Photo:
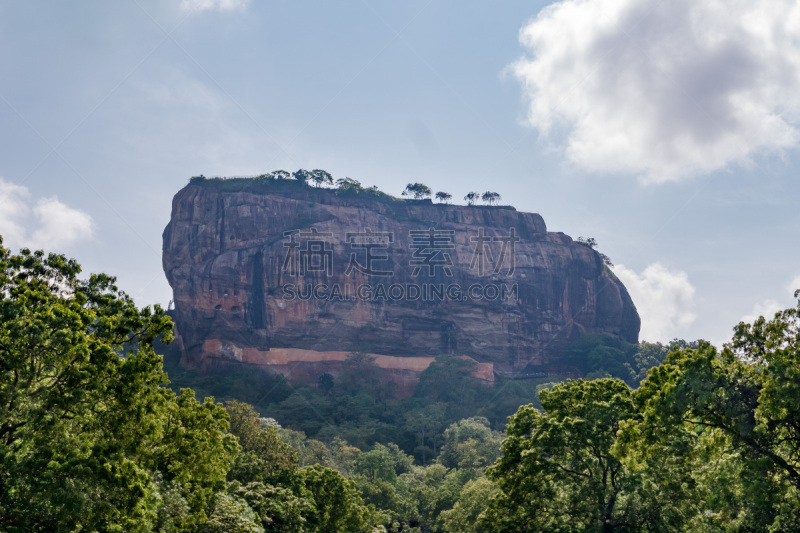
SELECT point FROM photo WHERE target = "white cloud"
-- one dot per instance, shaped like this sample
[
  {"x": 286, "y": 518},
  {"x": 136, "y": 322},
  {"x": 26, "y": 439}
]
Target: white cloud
[
  {"x": 767, "y": 309},
  {"x": 664, "y": 90},
  {"x": 53, "y": 226},
  {"x": 794, "y": 285},
  {"x": 59, "y": 224},
  {"x": 13, "y": 208},
  {"x": 214, "y": 5},
  {"x": 664, "y": 299}
]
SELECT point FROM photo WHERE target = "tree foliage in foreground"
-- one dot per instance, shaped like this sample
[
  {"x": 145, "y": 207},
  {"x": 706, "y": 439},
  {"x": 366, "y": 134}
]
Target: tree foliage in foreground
[
  {"x": 89, "y": 438},
  {"x": 710, "y": 441}
]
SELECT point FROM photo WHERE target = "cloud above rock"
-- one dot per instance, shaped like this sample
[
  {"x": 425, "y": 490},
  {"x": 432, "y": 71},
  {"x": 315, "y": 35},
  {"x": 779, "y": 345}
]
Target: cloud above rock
[
  {"x": 663, "y": 90},
  {"x": 664, "y": 299},
  {"x": 47, "y": 223}
]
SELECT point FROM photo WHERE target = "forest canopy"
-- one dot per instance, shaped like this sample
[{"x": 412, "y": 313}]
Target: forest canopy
[{"x": 93, "y": 438}]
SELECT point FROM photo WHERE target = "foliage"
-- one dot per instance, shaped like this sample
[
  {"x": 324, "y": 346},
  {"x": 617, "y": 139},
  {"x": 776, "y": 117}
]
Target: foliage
[
  {"x": 320, "y": 177},
  {"x": 741, "y": 406},
  {"x": 471, "y": 198},
  {"x": 470, "y": 444},
  {"x": 467, "y": 514},
  {"x": 417, "y": 190},
  {"x": 231, "y": 515},
  {"x": 444, "y": 197},
  {"x": 591, "y": 242},
  {"x": 265, "y": 457},
  {"x": 338, "y": 506},
  {"x": 490, "y": 198},
  {"x": 89, "y": 438},
  {"x": 564, "y": 456}
]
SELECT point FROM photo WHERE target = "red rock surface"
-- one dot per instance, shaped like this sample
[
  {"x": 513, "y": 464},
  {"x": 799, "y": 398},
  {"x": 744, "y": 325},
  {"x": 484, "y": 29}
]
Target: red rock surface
[{"x": 225, "y": 253}]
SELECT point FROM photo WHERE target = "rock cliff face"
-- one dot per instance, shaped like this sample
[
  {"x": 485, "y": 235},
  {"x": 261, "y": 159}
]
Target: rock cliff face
[{"x": 279, "y": 274}]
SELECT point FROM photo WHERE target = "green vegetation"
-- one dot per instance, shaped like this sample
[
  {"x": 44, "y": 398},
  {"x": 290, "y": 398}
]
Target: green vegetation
[
  {"x": 324, "y": 183},
  {"x": 471, "y": 198},
  {"x": 591, "y": 242},
  {"x": 490, "y": 197},
  {"x": 418, "y": 190},
  {"x": 360, "y": 408},
  {"x": 92, "y": 439},
  {"x": 444, "y": 197}
]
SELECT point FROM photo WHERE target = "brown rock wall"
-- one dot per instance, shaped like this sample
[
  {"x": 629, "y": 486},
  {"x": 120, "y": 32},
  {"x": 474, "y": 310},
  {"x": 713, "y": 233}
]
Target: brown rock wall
[{"x": 225, "y": 256}]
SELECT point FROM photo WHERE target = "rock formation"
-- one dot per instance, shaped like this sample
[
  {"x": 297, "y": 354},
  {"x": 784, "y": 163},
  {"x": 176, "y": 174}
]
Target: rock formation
[{"x": 275, "y": 273}]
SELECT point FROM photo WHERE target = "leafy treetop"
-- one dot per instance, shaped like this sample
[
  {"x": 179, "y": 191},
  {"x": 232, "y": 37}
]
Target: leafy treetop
[{"x": 417, "y": 190}]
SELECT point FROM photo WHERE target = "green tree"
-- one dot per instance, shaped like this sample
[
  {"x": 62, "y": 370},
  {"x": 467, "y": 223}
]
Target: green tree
[
  {"x": 417, "y": 190},
  {"x": 490, "y": 198},
  {"x": 278, "y": 509},
  {"x": 231, "y": 515},
  {"x": 558, "y": 472},
  {"x": 427, "y": 423},
  {"x": 742, "y": 404},
  {"x": 470, "y": 444},
  {"x": 338, "y": 507},
  {"x": 466, "y": 514},
  {"x": 471, "y": 198},
  {"x": 444, "y": 197},
  {"x": 89, "y": 438},
  {"x": 383, "y": 462},
  {"x": 265, "y": 457},
  {"x": 432, "y": 490},
  {"x": 349, "y": 185},
  {"x": 320, "y": 177},
  {"x": 325, "y": 383}
]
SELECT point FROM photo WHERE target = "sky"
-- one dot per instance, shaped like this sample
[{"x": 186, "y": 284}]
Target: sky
[{"x": 668, "y": 131}]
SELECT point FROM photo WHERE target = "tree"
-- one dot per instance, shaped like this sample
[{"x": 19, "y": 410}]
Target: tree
[
  {"x": 591, "y": 242},
  {"x": 466, "y": 514},
  {"x": 349, "y": 185},
  {"x": 383, "y": 462},
  {"x": 470, "y": 445},
  {"x": 264, "y": 457},
  {"x": 279, "y": 509},
  {"x": 89, "y": 438},
  {"x": 743, "y": 403},
  {"x": 558, "y": 472},
  {"x": 417, "y": 190},
  {"x": 301, "y": 175},
  {"x": 471, "y": 198},
  {"x": 325, "y": 383},
  {"x": 281, "y": 175},
  {"x": 490, "y": 198},
  {"x": 338, "y": 506},
  {"x": 320, "y": 177},
  {"x": 426, "y": 423},
  {"x": 444, "y": 197},
  {"x": 232, "y": 515}
]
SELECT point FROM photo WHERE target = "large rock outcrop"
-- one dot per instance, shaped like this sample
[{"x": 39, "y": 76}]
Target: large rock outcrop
[{"x": 275, "y": 273}]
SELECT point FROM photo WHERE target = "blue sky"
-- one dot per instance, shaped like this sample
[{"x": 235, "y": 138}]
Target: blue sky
[{"x": 667, "y": 131}]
